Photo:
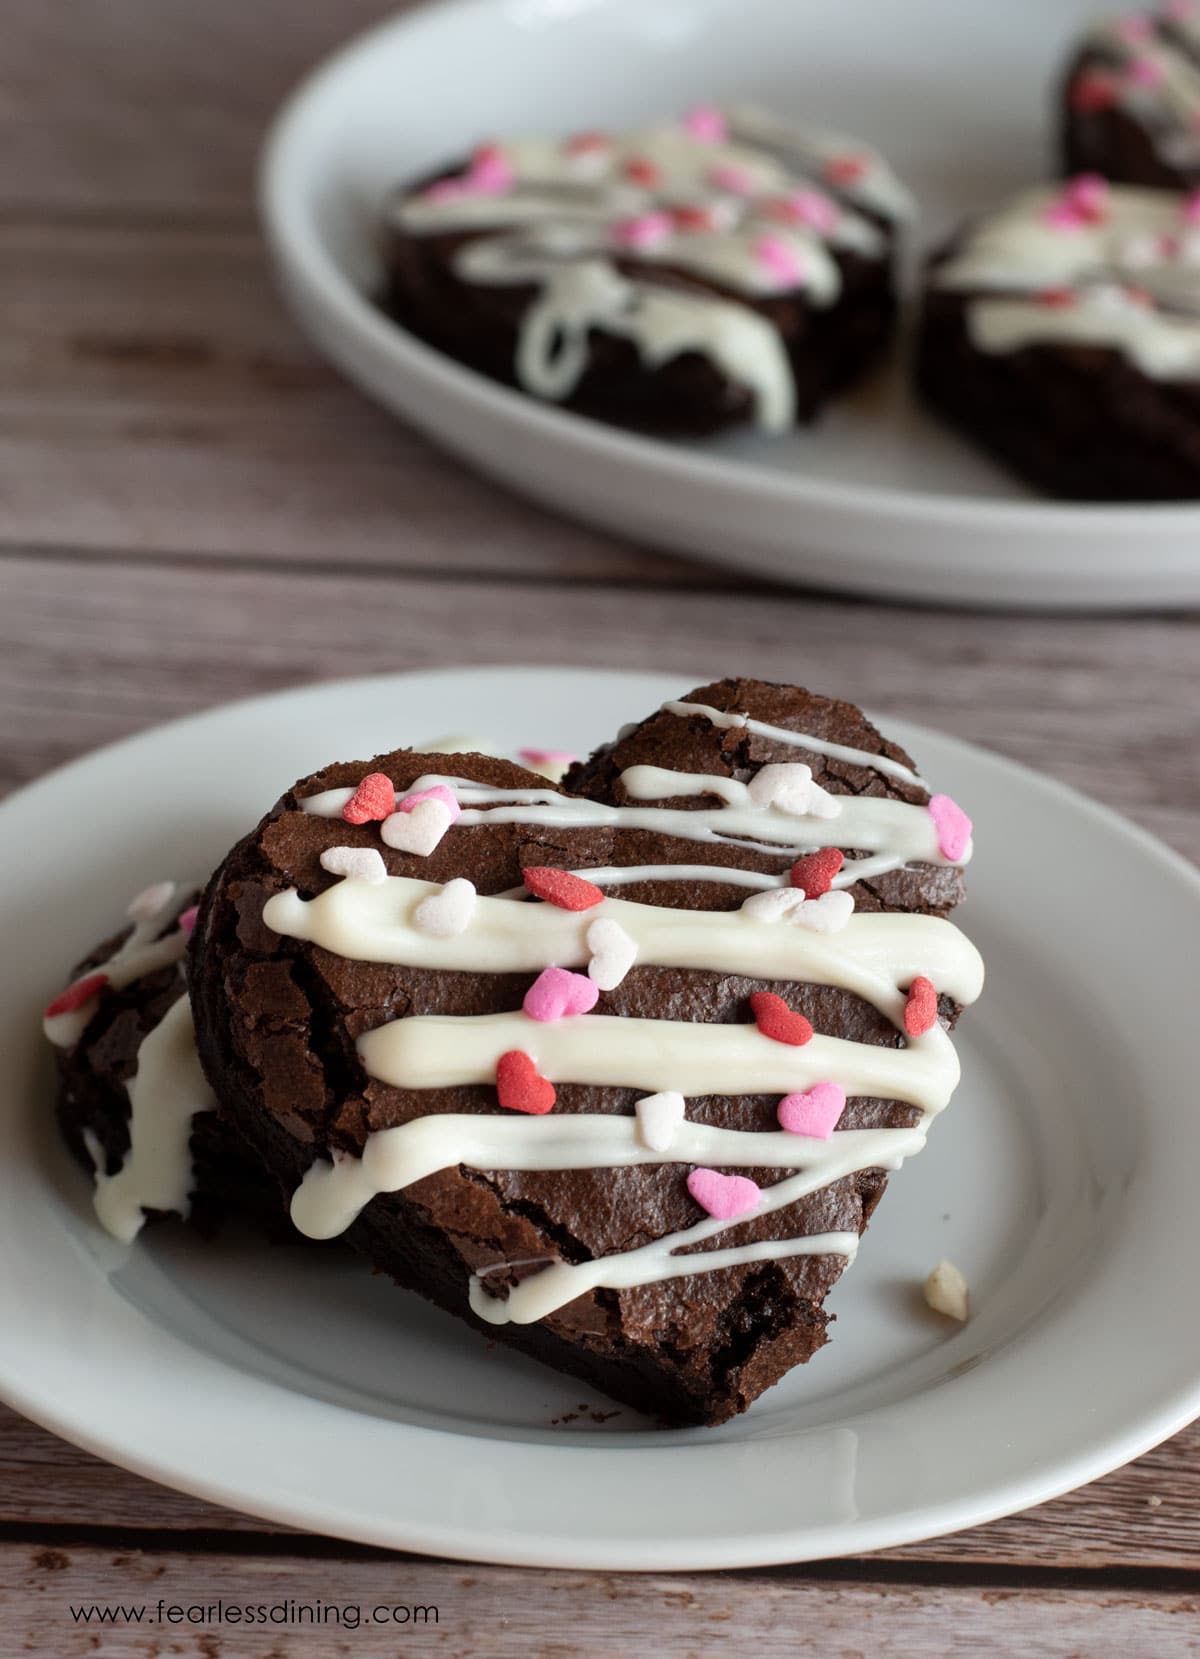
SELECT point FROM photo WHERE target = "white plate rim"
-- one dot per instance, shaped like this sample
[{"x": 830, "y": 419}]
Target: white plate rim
[{"x": 1166, "y": 1416}]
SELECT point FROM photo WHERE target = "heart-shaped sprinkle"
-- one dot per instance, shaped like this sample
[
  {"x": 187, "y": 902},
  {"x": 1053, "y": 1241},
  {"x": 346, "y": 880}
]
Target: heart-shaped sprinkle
[
  {"x": 372, "y": 801},
  {"x": 658, "y": 1117},
  {"x": 641, "y": 170},
  {"x": 815, "y": 871},
  {"x": 778, "y": 258},
  {"x": 952, "y": 824},
  {"x": 738, "y": 181},
  {"x": 920, "y": 1009},
  {"x": 845, "y": 169},
  {"x": 613, "y": 953},
  {"x": 725, "y": 1197},
  {"x": 560, "y": 887},
  {"x": 815, "y": 1112},
  {"x": 557, "y": 993},
  {"x": 706, "y": 123},
  {"x": 444, "y": 914},
  {"x": 440, "y": 792},
  {"x": 789, "y": 786},
  {"x": 519, "y": 1085},
  {"x": 151, "y": 901},
  {"x": 419, "y": 829},
  {"x": 75, "y": 996},
  {"x": 777, "y": 1021},
  {"x": 773, "y": 905},
  {"x": 355, "y": 863},
  {"x": 642, "y": 230},
  {"x": 187, "y": 919},
  {"x": 828, "y": 914}
]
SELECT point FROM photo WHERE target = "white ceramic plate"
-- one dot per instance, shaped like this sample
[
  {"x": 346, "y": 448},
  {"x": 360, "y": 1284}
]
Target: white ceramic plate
[
  {"x": 878, "y": 498},
  {"x": 294, "y": 1384}
]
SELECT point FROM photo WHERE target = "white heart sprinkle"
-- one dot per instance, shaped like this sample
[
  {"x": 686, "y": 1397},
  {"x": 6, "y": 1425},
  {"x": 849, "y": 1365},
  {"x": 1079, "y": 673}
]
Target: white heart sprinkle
[
  {"x": 613, "y": 953},
  {"x": 419, "y": 829},
  {"x": 789, "y": 787},
  {"x": 659, "y": 1116},
  {"x": 828, "y": 914},
  {"x": 357, "y": 863},
  {"x": 151, "y": 901},
  {"x": 773, "y": 904},
  {"x": 449, "y": 912}
]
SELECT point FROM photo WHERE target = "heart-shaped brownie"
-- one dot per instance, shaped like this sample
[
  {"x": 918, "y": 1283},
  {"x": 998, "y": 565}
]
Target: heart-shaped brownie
[{"x": 615, "y": 1068}]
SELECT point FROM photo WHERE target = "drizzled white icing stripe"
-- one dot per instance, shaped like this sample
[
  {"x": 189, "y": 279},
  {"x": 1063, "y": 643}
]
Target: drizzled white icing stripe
[
  {"x": 731, "y": 875},
  {"x": 332, "y": 1194},
  {"x": 729, "y": 721},
  {"x": 871, "y": 956},
  {"x": 866, "y": 822},
  {"x": 442, "y": 1051},
  {"x": 139, "y": 955},
  {"x": 165, "y": 1093}
]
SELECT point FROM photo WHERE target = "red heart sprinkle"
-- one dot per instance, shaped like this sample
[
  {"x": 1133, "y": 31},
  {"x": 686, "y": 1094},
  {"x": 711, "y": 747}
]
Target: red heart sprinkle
[
  {"x": 845, "y": 169},
  {"x": 76, "y": 995},
  {"x": 641, "y": 171},
  {"x": 581, "y": 142},
  {"x": 692, "y": 218},
  {"x": 1057, "y": 298},
  {"x": 777, "y": 1021},
  {"x": 815, "y": 871},
  {"x": 560, "y": 887},
  {"x": 920, "y": 1011},
  {"x": 520, "y": 1087},
  {"x": 373, "y": 799},
  {"x": 1093, "y": 90}
]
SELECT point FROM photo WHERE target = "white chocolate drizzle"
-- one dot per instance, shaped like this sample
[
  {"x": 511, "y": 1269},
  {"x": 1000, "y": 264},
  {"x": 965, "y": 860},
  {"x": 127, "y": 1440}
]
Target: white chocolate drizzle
[
  {"x": 1127, "y": 277},
  {"x": 740, "y": 199},
  {"x": 140, "y": 954},
  {"x": 875, "y": 956},
  {"x": 165, "y": 1094}
]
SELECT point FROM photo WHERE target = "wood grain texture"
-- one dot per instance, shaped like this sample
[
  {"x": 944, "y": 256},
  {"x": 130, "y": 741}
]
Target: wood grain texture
[
  {"x": 87, "y": 655},
  {"x": 155, "y": 398},
  {"x": 151, "y": 107},
  {"x": 545, "y": 1615}
]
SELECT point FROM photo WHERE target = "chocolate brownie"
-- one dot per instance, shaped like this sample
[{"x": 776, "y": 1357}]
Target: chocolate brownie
[
  {"x": 548, "y": 1058},
  {"x": 1131, "y": 99},
  {"x": 1062, "y": 334},
  {"x": 727, "y": 268},
  {"x": 130, "y": 989}
]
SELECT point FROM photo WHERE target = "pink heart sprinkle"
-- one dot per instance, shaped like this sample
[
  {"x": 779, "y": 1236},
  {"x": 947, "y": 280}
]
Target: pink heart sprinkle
[
  {"x": 546, "y": 757},
  {"x": 953, "y": 826},
  {"x": 1146, "y": 72},
  {"x": 645, "y": 230},
  {"x": 1191, "y": 208},
  {"x": 187, "y": 919},
  {"x": 1134, "y": 28},
  {"x": 725, "y": 1197},
  {"x": 557, "y": 993},
  {"x": 739, "y": 181},
  {"x": 490, "y": 172},
  {"x": 1087, "y": 191},
  {"x": 1063, "y": 215},
  {"x": 706, "y": 123},
  {"x": 440, "y": 792},
  {"x": 782, "y": 260},
  {"x": 807, "y": 207},
  {"x": 815, "y": 1112}
]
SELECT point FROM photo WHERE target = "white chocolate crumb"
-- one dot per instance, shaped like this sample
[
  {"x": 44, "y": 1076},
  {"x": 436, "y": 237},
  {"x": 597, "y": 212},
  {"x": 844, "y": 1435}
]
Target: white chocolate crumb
[{"x": 946, "y": 1291}]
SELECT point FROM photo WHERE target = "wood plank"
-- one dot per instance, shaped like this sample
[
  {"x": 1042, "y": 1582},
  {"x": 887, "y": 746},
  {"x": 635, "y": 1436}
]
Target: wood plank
[
  {"x": 1146, "y": 1516},
  {"x": 129, "y": 108},
  {"x": 470, "y": 1610},
  {"x": 91, "y": 652},
  {"x": 198, "y": 422}
]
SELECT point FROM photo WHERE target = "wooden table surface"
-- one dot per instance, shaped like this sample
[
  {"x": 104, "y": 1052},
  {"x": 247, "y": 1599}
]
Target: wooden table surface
[{"x": 193, "y": 508}]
